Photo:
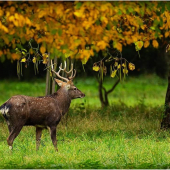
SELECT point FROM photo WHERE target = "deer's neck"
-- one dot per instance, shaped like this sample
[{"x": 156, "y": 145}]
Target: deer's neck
[{"x": 63, "y": 100}]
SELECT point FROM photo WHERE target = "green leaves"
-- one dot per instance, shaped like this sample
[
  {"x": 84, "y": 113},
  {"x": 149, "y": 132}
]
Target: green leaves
[
  {"x": 78, "y": 5},
  {"x": 59, "y": 32},
  {"x": 138, "y": 45}
]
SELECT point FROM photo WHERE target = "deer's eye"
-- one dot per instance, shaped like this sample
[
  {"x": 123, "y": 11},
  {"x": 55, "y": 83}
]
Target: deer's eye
[{"x": 75, "y": 88}]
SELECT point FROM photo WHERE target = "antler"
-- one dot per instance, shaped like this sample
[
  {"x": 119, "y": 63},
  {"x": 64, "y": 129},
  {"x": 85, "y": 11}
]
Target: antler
[
  {"x": 64, "y": 69},
  {"x": 58, "y": 73}
]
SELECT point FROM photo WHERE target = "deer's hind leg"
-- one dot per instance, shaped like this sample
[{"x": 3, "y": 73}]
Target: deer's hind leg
[
  {"x": 38, "y": 136},
  {"x": 13, "y": 134}
]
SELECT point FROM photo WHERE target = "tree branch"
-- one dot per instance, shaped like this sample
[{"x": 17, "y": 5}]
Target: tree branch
[{"x": 114, "y": 86}]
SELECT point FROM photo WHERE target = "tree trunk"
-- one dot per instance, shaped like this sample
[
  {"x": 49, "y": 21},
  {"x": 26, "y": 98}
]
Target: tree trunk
[
  {"x": 103, "y": 93},
  {"x": 53, "y": 81},
  {"x": 165, "y": 124},
  {"x": 48, "y": 80}
]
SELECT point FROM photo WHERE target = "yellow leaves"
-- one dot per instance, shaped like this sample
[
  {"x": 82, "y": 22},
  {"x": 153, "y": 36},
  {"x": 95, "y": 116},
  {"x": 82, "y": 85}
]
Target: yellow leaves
[
  {"x": 166, "y": 34},
  {"x": 96, "y": 68},
  {"x": 42, "y": 13},
  {"x": 28, "y": 21},
  {"x": 23, "y": 60},
  {"x": 131, "y": 66},
  {"x": 4, "y": 28},
  {"x": 1, "y": 12},
  {"x": 16, "y": 16},
  {"x": 31, "y": 51},
  {"x": 138, "y": 45},
  {"x": 79, "y": 13},
  {"x": 155, "y": 43},
  {"x": 125, "y": 71},
  {"x": 84, "y": 55},
  {"x": 104, "y": 7},
  {"x": 88, "y": 23},
  {"x": 59, "y": 8},
  {"x": 12, "y": 9},
  {"x": 118, "y": 46},
  {"x": 102, "y": 45},
  {"x": 104, "y": 19},
  {"x": 113, "y": 74},
  {"x": 6, "y": 40},
  {"x": 134, "y": 38},
  {"x": 146, "y": 44},
  {"x": 15, "y": 56},
  {"x": 34, "y": 60},
  {"x": 99, "y": 30},
  {"x": 45, "y": 58},
  {"x": 42, "y": 49},
  {"x": 116, "y": 64},
  {"x": 11, "y": 18}
]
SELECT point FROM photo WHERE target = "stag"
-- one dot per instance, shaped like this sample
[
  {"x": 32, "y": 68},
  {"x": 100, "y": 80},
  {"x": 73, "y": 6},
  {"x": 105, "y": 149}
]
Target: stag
[{"x": 41, "y": 112}]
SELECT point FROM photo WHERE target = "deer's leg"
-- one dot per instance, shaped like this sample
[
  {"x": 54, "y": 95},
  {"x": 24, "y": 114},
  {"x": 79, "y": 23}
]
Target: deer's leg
[
  {"x": 53, "y": 136},
  {"x": 13, "y": 134},
  {"x": 38, "y": 137}
]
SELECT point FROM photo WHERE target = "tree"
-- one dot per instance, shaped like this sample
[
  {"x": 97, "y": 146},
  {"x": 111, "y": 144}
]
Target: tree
[{"x": 79, "y": 30}]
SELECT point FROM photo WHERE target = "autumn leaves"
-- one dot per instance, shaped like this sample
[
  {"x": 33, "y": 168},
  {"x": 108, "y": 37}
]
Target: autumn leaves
[
  {"x": 81, "y": 29},
  {"x": 117, "y": 66}
]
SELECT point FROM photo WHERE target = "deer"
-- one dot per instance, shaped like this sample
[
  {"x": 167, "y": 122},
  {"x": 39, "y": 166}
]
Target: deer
[{"x": 41, "y": 112}]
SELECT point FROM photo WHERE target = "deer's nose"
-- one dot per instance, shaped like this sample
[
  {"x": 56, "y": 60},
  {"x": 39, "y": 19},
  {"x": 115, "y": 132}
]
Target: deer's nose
[{"x": 83, "y": 95}]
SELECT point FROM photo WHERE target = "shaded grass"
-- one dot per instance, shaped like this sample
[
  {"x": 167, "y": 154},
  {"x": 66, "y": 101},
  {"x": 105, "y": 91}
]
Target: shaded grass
[{"x": 125, "y": 135}]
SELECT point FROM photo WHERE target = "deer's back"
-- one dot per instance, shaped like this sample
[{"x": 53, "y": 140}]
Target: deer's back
[{"x": 32, "y": 110}]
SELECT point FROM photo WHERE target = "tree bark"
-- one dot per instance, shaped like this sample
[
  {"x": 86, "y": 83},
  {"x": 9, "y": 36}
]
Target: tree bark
[
  {"x": 53, "y": 81},
  {"x": 48, "y": 80},
  {"x": 165, "y": 124},
  {"x": 103, "y": 93}
]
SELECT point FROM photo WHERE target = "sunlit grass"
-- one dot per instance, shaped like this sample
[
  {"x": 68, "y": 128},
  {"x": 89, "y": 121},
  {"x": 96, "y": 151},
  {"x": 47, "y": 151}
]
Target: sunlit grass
[{"x": 149, "y": 89}]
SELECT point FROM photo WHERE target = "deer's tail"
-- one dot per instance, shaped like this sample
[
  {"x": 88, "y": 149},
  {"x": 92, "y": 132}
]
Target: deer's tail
[{"x": 4, "y": 109}]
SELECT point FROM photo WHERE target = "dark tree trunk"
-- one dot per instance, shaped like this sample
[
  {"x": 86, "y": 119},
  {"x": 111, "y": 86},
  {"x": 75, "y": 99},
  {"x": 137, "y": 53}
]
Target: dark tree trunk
[
  {"x": 165, "y": 124},
  {"x": 166, "y": 118},
  {"x": 103, "y": 93}
]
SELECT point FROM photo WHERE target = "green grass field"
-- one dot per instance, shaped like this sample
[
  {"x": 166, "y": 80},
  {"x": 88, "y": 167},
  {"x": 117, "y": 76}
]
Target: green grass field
[{"x": 125, "y": 135}]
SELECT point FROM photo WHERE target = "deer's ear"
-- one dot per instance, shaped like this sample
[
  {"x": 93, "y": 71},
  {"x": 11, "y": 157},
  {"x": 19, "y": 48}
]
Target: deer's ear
[{"x": 59, "y": 82}]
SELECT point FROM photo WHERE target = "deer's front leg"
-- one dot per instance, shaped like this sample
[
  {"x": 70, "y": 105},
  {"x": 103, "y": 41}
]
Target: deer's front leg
[
  {"x": 38, "y": 137},
  {"x": 53, "y": 136}
]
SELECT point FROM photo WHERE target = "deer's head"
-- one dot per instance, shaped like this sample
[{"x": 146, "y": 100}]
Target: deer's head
[{"x": 67, "y": 85}]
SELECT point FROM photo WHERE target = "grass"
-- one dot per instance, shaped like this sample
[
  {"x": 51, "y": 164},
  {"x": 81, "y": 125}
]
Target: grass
[
  {"x": 149, "y": 89},
  {"x": 125, "y": 135}
]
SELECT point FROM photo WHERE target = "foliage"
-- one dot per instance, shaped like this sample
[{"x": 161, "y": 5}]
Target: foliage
[
  {"x": 79, "y": 29},
  {"x": 117, "y": 64}
]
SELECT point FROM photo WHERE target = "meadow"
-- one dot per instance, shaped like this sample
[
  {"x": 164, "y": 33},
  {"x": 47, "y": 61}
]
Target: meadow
[{"x": 127, "y": 134}]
